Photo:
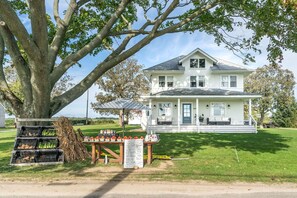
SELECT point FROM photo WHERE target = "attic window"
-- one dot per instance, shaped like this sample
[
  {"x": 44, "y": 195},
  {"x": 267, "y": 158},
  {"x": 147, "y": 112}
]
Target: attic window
[
  {"x": 201, "y": 63},
  {"x": 193, "y": 63}
]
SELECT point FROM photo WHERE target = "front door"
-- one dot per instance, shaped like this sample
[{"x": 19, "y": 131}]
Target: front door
[{"x": 187, "y": 113}]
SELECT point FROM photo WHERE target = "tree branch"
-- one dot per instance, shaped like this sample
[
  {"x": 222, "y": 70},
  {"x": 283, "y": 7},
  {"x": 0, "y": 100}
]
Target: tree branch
[
  {"x": 17, "y": 28},
  {"x": 6, "y": 96},
  {"x": 19, "y": 62},
  {"x": 39, "y": 26},
  {"x": 62, "y": 26},
  {"x": 73, "y": 58}
]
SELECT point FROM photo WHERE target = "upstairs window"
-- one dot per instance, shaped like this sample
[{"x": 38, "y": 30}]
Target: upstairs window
[
  {"x": 169, "y": 81},
  {"x": 233, "y": 81},
  {"x": 202, "y": 63},
  {"x": 201, "y": 82},
  {"x": 161, "y": 81},
  {"x": 225, "y": 81},
  {"x": 193, "y": 63},
  {"x": 193, "y": 81}
]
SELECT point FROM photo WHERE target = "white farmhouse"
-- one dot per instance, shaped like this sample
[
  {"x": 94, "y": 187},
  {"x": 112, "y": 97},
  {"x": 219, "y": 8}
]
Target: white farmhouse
[
  {"x": 197, "y": 93},
  {"x": 2, "y": 116}
]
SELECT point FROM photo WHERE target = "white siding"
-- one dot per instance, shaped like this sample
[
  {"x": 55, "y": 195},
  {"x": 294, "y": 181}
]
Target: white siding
[
  {"x": 2, "y": 116},
  {"x": 182, "y": 80}
]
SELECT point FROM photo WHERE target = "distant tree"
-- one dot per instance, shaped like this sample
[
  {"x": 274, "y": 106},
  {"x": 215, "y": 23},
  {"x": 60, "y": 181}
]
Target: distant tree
[
  {"x": 275, "y": 84},
  {"x": 286, "y": 115},
  {"x": 125, "y": 80}
]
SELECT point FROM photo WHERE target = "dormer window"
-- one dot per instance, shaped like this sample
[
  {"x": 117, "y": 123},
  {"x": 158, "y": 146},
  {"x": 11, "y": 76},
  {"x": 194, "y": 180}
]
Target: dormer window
[
  {"x": 197, "y": 63},
  {"x": 202, "y": 63},
  {"x": 193, "y": 63}
]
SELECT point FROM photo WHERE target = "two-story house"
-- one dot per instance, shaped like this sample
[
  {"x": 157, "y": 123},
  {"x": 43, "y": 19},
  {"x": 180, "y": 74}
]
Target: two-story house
[{"x": 198, "y": 93}]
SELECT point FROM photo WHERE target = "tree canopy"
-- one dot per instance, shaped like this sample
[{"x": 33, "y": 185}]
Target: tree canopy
[
  {"x": 276, "y": 85},
  {"x": 42, "y": 44},
  {"x": 126, "y": 80}
]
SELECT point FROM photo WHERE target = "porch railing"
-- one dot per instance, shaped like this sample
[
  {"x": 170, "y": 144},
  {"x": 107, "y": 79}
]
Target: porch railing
[{"x": 253, "y": 122}]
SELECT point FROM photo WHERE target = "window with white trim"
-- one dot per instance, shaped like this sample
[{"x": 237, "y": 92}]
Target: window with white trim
[
  {"x": 218, "y": 109},
  {"x": 202, "y": 63},
  {"x": 193, "y": 63},
  {"x": 165, "y": 109},
  {"x": 224, "y": 81},
  {"x": 169, "y": 81},
  {"x": 161, "y": 81},
  {"x": 201, "y": 81},
  {"x": 193, "y": 81},
  {"x": 233, "y": 81}
]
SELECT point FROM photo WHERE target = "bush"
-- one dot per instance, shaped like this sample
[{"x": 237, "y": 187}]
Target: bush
[{"x": 102, "y": 121}]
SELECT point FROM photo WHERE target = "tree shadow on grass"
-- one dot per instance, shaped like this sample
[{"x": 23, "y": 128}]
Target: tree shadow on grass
[{"x": 188, "y": 143}]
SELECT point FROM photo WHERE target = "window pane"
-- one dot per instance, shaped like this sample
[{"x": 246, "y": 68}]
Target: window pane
[
  {"x": 225, "y": 81},
  {"x": 218, "y": 109},
  {"x": 169, "y": 81},
  {"x": 201, "y": 63},
  {"x": 201, "y": 81},
  {"x": 161, "y": 81},
  {"x": 193, "y": 81},
  {"x": 233, "y": 81},
  {"x": 164, "y": 109},
  {"x": 193, "y": 63}
]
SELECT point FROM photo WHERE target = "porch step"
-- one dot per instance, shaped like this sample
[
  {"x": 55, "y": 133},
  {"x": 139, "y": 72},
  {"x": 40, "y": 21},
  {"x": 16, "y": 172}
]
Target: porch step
[{"x": 204, "y": 129}]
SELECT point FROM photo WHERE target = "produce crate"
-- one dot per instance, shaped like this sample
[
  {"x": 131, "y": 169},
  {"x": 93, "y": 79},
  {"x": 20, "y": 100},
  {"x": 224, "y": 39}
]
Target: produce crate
[
  {"x": 29, "y": 131},
  {"x": 50, "y": 156},
  {"x": 23, "y": 157},
  {"x": 48, "y": 143},
  {"x": 25, "y": 144},
  {"x": 48, "y": 132}
]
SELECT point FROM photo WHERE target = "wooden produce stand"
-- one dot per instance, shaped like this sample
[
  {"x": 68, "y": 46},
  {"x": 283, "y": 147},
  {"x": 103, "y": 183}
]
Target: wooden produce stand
[{"x": 98, "y": 146}]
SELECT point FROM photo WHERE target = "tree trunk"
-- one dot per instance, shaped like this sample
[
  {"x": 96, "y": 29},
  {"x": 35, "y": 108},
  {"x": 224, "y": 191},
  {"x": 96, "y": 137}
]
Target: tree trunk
[
  {"x": 121, "y": 118},
  {"x": 262, "y": 115}
]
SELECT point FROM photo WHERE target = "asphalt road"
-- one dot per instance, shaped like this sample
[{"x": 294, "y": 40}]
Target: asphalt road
[{"x": 128, "y": 189}]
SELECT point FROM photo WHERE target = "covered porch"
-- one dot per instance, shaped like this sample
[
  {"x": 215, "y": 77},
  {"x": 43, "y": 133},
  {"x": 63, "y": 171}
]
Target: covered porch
[{"x": 200, "y": 113}]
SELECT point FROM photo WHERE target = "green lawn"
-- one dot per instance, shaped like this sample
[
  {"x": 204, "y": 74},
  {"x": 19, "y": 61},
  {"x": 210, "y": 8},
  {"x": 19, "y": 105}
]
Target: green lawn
[{"x": 269, "y": 156}]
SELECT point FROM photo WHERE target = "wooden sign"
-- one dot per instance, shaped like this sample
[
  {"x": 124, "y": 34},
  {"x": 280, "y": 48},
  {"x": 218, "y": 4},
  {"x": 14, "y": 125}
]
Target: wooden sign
[{"x": 133, "y": 155}]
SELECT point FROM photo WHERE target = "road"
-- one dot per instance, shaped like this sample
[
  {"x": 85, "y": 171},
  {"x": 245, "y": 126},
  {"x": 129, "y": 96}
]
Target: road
[{"x": 133, "y": 189}]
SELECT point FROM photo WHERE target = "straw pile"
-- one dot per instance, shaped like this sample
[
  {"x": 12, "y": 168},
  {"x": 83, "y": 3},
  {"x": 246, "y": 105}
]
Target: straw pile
[{"x": 70, "y": 141}]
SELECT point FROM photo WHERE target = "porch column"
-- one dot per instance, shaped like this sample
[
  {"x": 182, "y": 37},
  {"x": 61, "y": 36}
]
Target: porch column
[
  {"x": 178, "y": 114},
  {"x": 150, "y": 112},
  {"x": 197, "y": 111},
  {"x": 250, "y": 112}
]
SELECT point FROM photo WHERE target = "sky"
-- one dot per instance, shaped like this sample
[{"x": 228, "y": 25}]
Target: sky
[
  {"x": 160, "y": 50},
  {"x": 168, "y": 47}
]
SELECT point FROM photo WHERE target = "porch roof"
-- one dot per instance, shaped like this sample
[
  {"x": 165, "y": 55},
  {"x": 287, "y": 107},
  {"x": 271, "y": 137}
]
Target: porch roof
[{"x": 202, "y": 93}]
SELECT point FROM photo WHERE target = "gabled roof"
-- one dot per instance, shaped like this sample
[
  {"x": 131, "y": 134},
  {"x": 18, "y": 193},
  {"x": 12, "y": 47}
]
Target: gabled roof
[
  {"x": 200, "y": 51},
  {"x": 172, "y": 64},
  {"x": 202, "y": 92}
]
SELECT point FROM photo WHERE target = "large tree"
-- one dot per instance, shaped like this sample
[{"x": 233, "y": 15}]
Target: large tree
[
  {"x": 275, "y": 84},
  {"x": 43, "y": 46},
  {"x": 126, "y": 80}
]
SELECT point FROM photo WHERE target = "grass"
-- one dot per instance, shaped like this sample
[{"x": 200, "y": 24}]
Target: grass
[{"x": 269, "y": 156}]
